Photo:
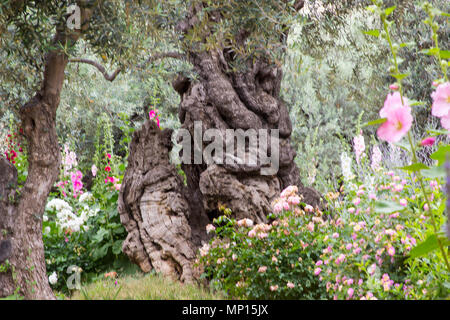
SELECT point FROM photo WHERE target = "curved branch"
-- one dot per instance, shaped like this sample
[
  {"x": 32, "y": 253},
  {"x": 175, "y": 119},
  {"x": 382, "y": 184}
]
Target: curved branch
[
  {"x": 163, "y": 55},
  {"x": 109, "y": 77}
]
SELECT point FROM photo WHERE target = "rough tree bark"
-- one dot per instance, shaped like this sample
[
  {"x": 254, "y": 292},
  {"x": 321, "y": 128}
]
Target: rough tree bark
[
  {"x": 23, "y": 224},
  {"x": 220, "y": 100},
  {"x": 153, "y": 207}
]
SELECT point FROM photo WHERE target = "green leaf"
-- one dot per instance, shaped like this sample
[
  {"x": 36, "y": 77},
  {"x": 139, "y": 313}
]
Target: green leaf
[
  {"x": 387, "y": 207},
  {"x": 400, "y": 76},
  {"x": 373, "y": 33},
  {"x": 415, "y": 103},
  {"x": 444, "y": 54},
  {"x": 414, "y": 167},
  {"x": 117, "y": 247},
  {"x": 434, "y": 172},
  {"x": 100, "y": 235},
  {"x": 430, "y": 244},
  {"x": 435, "y": 133},
  {"x": 99, "y": 253},
  {"x": 375, "y": 122},
  {"x": 430, "y": 52},
  {"x": 389, "y": 10},
  {"x": 441, "y": 154}
]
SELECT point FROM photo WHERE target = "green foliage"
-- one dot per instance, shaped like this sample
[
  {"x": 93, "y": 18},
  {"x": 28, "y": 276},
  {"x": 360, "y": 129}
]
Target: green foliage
[{"x": 93, "y": 243}]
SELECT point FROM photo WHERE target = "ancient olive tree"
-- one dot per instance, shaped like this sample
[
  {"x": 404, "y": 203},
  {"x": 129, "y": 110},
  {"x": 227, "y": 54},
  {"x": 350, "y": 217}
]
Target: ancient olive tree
[{"x": 236, "y": 49}]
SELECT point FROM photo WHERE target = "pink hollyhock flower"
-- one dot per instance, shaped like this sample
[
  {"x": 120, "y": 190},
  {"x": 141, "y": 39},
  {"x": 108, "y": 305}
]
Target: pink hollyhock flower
[
  {"x": 399, "y": 118},
  {"x": 118, "y": 186},
  {"x": 403, "y": 202},
  {"x": 309, "y": 208},
  {"x": 441, "y": 100},
  {"x": 108, "y": 155},
  {"x": 351, "y": 210},
  {"x": 152, "y": 114},
  {"x": 285, "y": 206},
  {"x": 356, "y": 201},
  {"x": 394, "y": 87},
  {"x": 290, "y": 285},
  {"x": 107, "y": 168},
  {"x": 428, "y": 141}
]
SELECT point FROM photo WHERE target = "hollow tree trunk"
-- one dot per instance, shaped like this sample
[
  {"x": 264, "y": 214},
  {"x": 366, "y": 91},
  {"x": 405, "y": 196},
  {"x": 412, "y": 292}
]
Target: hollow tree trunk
[
  {"x": 23, "y": 223},
  {"x": 153, "y": 207},
  {"x": 219, "y": 100}
]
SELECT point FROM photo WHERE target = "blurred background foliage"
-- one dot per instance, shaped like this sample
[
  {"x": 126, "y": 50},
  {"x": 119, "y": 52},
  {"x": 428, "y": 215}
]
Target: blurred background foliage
[{"x": 334, "y": 75}]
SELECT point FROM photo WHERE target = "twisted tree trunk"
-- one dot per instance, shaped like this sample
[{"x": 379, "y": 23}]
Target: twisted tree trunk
[
  {"x": 219, "y": 100},
  {"x": 21, "y": 224}
]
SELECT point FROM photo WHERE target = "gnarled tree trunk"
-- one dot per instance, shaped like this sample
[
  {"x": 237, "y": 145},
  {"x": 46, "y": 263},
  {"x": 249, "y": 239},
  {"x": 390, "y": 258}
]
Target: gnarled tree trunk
[
  {"x": 25, "y": 226},
  {"x": 220, "y": 100},
  {"x": 23, "y": 223},
  {"x": 153, "y": 207}
]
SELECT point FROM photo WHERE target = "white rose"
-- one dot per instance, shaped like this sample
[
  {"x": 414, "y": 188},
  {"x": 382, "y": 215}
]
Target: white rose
[{"x": 53, "y": 278}]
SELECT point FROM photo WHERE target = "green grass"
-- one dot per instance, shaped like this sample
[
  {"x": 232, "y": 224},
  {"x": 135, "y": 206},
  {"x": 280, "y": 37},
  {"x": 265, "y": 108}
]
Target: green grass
[{"x": 144, "y": 287}]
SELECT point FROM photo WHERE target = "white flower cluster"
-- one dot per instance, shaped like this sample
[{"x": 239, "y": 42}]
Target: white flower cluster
[
  {"x": 346, "y": 167},
  {"x": 85, "y": 197},
  {"x": 69, "y": 160},
  {"x": 316, "y": 9},
  {"x": 66, "y": 219}
]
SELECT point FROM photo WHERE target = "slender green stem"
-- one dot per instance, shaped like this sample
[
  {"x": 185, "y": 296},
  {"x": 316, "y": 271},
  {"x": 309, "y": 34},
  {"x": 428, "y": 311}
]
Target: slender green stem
[
  {"x": 413, "y": 148},
  {"x": 427, "y": 200}
]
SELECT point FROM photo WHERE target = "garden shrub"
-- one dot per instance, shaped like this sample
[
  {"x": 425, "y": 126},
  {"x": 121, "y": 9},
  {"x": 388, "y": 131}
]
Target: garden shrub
[{"x": 265, "y": 261}]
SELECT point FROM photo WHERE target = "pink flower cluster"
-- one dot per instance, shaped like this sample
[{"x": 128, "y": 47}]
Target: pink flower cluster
[
  {"x": 399, "y": 119},
  {"x": 110, "y": 179},
  {"x": 12, "y": 143},
  {"x": 289, "y": 200},
  {"x": 153, "y": 114},
  {"x": 77, "y": 185}
]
